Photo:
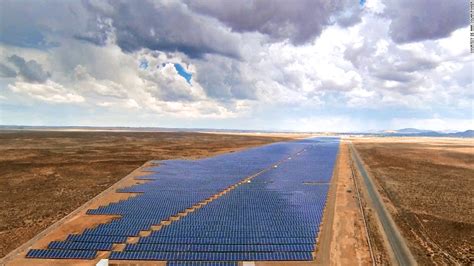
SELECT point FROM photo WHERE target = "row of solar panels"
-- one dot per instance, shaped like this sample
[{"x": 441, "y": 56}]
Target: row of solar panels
[
  {"x": 212, "y": 256},
  {"x": 69, "y": 245},
  {"x": 227, "y": 241},
  {"x": 221, "y": 248},
  {"x": 61, "y": 254},
  {"x": 308, "y": 231},
  {"x": 238, "y": 234},
  {"x": 202, "y": 263},
  {"x": 178, "y": 227},
  {"x": 211, "y": 234}
]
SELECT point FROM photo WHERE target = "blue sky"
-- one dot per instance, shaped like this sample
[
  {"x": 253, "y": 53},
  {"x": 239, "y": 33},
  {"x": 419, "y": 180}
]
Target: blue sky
[
  {"x": 356, "y": 66},
  {"x": 182, "y": 72}
]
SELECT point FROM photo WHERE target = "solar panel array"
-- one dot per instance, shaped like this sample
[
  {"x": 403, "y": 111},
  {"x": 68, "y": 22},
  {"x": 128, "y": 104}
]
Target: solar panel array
[{"x": 274, "y": 216}]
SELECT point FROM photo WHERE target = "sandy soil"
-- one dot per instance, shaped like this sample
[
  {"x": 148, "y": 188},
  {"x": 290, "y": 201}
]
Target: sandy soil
[
  {"x": 428, "y": 185},
  {"x": 74, "y": 223},
  {"x": 345, "y": 241},
  {"x": 349, "y": 244},
  {"x": 46, "y": 175}
]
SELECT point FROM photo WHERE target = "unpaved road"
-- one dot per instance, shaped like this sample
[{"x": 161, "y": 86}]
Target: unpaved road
[
  {"x": 427, "y": 185},
  {"x": 399, "y": 248},
  {"x": 342, "y": 239},
  {"x": 349, "y": 243}
]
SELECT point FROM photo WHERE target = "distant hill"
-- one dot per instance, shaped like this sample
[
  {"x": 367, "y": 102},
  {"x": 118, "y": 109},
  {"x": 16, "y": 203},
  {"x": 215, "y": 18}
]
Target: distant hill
[
  {"x": 407, "y": 132},
  {"x": 427, "y": 133},
  {"x": 464, "y": 134},
  {"x": 412, "y": 131}
]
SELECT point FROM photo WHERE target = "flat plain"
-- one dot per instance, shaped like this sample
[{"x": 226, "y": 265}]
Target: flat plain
[
  {"x": 46, "y": 175},
  {"x": 427, "y": 184}
]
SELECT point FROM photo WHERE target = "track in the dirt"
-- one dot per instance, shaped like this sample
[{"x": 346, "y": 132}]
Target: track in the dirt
[{"x": 396, "y": 242}]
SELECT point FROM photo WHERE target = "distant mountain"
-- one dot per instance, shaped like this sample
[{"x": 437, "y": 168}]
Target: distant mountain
[
  {"x": 414, "y": 132},
  {"x": 464, "y": 134}
]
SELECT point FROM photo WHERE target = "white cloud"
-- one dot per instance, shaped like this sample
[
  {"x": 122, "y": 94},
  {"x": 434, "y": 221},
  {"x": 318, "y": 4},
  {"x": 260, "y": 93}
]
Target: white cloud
[
  {"x": 88, "y": 84},
  {"x": 97, "y": 64},
  {"x": 49, "y": 92}
]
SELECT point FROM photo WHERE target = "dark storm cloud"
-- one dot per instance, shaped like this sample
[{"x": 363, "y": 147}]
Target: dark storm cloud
[
  {"x": 300, "y": 21},
  {"x": 6, "y": 71},
  {"x": 196, "y": 28},
  {"x": 19, "y": 26},
  {"x": 42, "y": 24},
  {"x": 401, "y": 77},
  {"x": 97, "y": 31},
  {"x": 169, "y": 26},
  {"x": 418, "y": 20},
  {"x": 30, "y": 70}
]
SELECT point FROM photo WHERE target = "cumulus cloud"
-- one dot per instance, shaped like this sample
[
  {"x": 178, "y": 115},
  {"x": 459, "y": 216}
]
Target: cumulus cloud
[
  {"x": 6, "y": 71},
  {"x": 99, "y": 87},
  {"x": 251, "y": 58},
  {"x": 164, "y": 82},
  {"x": 49, "y": 92},
  {"x": 30, "y": 70},
  {"x": 418, "y": 20}
]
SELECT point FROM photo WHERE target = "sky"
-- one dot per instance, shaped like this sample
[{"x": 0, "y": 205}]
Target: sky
[{"x": 301, "y": 65}]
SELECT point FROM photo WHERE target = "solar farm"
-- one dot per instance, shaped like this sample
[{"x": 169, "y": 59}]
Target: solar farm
[{"x": 259, "y": 204}]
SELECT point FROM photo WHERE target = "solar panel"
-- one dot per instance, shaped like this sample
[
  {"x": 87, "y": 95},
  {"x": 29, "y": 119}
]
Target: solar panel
[
  {"x": 212, "y": 256},
  {"x": 61, "y": 254},
  {"x": 93, "y": 238},
  {"x": 80, "y": 245},
  {"x": 221, "y": 248},
  {"x": 274, "y": 216},
  {"x": 202, "y": 263}
]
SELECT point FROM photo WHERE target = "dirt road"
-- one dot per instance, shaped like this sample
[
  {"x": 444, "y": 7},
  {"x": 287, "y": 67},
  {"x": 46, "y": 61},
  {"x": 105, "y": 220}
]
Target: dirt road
[
  {"x": 398, "y": 247},
  {"x": 343, "y": 240},
  {"x": 427, "y": 186}
]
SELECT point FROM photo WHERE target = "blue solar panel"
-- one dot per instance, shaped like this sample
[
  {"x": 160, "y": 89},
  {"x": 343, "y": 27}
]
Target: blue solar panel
[
  {"x": 80, "y": 245},
  {"x": 226, "y": 241},
  {"x": 202, "y": 263},
  {"x": 61, "y": 254},
  {"x": 274, "y": 216},
  {"x": 221, "y": 248},
  {"x": 212, "y": 256},
  {"x": 93, "y": 238}
]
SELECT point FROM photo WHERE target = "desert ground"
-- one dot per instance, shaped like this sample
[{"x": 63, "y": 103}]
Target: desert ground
[
  {"x": 427, "y": 185},
  {"x": 46, "y": 175},
  {"x": 342, "y": 239},
  {"x": 347, "y": 240}
]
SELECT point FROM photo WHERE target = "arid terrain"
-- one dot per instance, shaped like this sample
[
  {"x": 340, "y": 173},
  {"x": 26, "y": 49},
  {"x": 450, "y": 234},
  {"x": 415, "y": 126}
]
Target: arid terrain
[
  {"x": 46, "y": 175},
  {"x": 428, "y": 186},
  {"x": 348, "y": 238},
  {"x": 425, "y": 183}
]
